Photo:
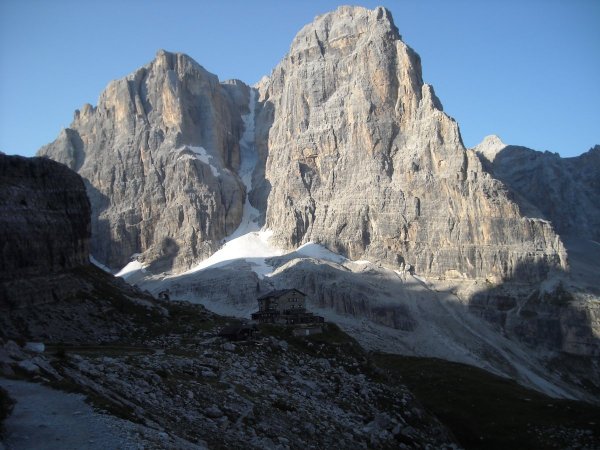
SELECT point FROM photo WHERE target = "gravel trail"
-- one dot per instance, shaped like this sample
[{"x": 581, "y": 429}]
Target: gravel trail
[{"x": 55, "y": 420}]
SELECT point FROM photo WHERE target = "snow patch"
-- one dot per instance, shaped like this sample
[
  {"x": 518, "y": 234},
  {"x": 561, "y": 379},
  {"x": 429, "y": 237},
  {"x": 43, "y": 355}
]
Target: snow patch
[
  {"x": 200, "y": 154},
  {"x": 248, "y": 157},
  {"x": 98, "y": 264},
  {"x": 312, "y": 250},
  {"x": 203, "y": 156},
  {"x": 254, "y": 247},
  {"x": 248, "y": 160},
  {"x": 549, "y": 286},
  {"x": 131, "y": 269}
]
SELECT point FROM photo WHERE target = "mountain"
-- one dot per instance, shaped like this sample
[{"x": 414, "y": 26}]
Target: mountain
[
  {"x": 159, "y": 154},
  {"x": 367, "y": 198},
  {"x": 356, "y": 150},
  {"x": 362, "y": 159}
]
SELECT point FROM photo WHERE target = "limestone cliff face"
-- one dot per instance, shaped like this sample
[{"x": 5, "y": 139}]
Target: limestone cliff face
[
  {"x": 361, "y": 158},
  {"x": 354, "y": 149},
  {"x": 562, "y": 190},
  {"x": 159, "y": 155},
  {"x": 44, "y": 227}
]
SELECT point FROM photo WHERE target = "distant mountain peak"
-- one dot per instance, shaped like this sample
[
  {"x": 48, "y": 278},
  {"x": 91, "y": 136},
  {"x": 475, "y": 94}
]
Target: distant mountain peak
[
  {"x": 346, "y": 21},
  {"x": 490, "y": 146}
]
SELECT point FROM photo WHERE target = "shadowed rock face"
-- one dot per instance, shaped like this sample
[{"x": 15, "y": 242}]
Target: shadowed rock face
[
  {"x": 562, "y": 190},
  {"x": 44, "y": 226},
  {"x": 44, "y": 219},
  {"x": 158, "y": 155},
  {"x": 362, "y": 159}
]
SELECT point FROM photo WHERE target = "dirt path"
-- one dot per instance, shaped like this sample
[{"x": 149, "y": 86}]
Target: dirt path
[{"x": 50, "y": 419}]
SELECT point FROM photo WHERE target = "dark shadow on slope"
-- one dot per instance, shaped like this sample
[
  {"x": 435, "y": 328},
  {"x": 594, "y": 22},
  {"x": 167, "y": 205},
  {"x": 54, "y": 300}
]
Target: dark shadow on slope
[
  {"x": 112, "y": 244},
  {"x": 564, "y": 191},
  {"x": 76, "y": 149},
  {"x": 487, "y": 412},
  {"x": 584, "y": 261},
  {"x": 101, "y": 241},
  {"x": 557, "y": 321},
  {"x": 559, "y": 315},
  {"x": 261, "y": 187},
  {"x": 165, "y": 260}
]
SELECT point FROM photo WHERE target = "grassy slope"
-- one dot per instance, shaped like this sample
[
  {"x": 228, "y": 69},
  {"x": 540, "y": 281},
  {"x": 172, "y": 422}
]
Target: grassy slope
[{"x": 489, "y": 412}]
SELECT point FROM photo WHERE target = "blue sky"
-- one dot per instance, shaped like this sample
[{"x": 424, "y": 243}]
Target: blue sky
[{"x": 527, "y": 70}]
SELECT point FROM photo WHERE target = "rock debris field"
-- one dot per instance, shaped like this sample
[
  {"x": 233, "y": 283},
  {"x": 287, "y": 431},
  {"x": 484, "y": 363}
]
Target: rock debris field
[{"x": 187, "y": 387}]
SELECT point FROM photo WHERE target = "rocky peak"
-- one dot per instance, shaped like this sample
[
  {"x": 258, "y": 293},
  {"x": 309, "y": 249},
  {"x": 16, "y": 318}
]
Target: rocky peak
[
  {"x": 362, "y": 159},
  {"x": 593, "y": 154},
  {"x": 159, "y": 154},
  {"x": 489, "y": 147},
  {"x": 85, "y": 112},
  {"x": 351, "y": 23}
]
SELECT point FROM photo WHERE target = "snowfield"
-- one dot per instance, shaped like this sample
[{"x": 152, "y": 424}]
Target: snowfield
[
  {"x": 131, "y": 269},
  {"x": 252, "y": 247}
]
